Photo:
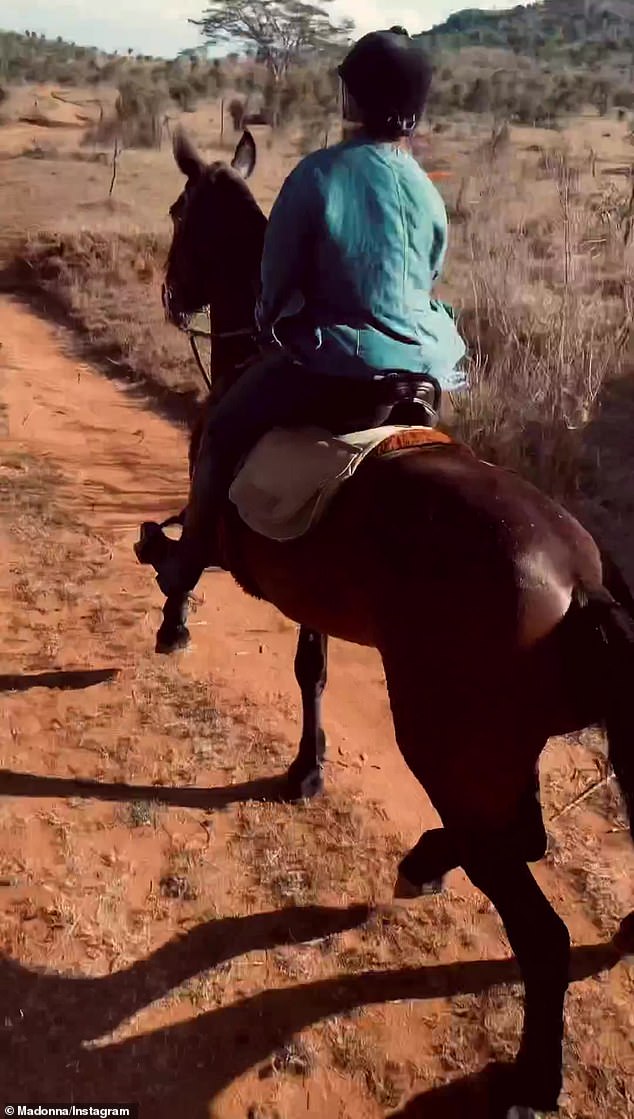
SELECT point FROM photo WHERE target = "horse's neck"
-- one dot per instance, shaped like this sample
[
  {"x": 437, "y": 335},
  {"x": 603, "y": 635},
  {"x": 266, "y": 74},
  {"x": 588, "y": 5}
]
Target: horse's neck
[
  {"x": 234, "y": 328},
  {"x": 228, "y": 355},
  {"x": 234, "y": 312}
]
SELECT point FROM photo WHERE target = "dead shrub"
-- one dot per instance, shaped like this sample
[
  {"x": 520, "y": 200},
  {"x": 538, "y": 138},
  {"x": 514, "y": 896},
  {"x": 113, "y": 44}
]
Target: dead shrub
[{"x": 540, "y": 345}]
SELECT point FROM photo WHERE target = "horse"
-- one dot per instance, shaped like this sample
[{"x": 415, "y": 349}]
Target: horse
[{"x": 499, "y": 621}]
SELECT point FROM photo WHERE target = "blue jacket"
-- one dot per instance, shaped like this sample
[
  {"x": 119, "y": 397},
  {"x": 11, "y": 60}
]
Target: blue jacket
[{"x": 355, "y": 242}]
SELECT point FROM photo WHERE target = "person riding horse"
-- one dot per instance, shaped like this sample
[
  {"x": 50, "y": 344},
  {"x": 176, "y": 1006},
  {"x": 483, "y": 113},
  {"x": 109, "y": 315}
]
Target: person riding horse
[
  {"x": 355, "y": 242},
  {"x": 498, "y": 619}
]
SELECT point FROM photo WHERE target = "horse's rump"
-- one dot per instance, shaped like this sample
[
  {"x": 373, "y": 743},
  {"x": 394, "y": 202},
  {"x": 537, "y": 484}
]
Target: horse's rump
[{"x": 435, "y": 536}]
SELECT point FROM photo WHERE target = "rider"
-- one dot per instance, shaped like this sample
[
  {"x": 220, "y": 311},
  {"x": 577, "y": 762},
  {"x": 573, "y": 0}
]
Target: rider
[{"x": 354, "y": 244}]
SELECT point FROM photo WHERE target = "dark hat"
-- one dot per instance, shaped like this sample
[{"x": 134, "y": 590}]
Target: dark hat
[{"x": 388, "y": 75}]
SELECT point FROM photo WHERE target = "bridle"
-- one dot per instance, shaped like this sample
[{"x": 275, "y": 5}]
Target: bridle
[
  {"x": 194, "y": 333},
  {"x": 193, "y": 336}
]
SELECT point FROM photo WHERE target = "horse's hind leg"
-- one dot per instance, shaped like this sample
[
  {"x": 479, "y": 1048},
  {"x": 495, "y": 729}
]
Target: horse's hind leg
[
  {"x": 306, "y": 774},
  {"x": 528, "y": 833},
  {"x": 476, "y": 759},
  {"x": 541, "y": 945},
  {"x": 423, "y": 869}
]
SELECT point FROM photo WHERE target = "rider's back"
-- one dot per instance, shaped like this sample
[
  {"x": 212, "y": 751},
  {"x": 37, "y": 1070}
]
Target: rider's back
[{"x": 356, "y": 241}]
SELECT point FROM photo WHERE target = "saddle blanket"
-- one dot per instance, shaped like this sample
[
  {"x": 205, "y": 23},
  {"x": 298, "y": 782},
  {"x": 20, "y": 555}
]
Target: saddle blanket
[{"x": 292, "y": 474}]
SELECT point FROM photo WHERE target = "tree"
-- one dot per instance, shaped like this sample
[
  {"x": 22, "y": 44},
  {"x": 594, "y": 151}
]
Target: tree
[
  {"x": 478, "y": 99},
  {"x": 282, "y": 32}
]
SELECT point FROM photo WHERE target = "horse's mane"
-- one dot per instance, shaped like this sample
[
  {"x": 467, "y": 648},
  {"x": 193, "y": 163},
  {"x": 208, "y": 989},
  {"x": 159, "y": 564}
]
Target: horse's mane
[{"x": 240, "y": 188}]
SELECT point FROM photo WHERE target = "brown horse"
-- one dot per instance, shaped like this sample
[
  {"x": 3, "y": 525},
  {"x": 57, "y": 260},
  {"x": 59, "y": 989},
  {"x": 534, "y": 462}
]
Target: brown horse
[{"x": 495, "y": 616}]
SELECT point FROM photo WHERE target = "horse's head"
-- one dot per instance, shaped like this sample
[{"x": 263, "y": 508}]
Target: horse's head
[{"x": 218, "y": 231}]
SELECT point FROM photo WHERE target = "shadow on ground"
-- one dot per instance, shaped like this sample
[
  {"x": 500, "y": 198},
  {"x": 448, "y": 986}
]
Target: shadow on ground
[
  {"x": 49, "y": 1021},
  {"x": 270, "y": 789},
  {"x": 71, "y": 680}
]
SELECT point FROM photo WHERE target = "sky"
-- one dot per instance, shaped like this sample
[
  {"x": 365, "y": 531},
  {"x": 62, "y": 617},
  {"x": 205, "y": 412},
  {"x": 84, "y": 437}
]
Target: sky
[{"x": 160, "y": 27}]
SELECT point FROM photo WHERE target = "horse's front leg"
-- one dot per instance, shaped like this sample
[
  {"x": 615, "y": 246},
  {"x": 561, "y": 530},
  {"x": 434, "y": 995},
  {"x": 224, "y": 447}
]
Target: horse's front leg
[
  {"x": 173, "y": 633},
  {"x": 422, "y": 871},
  {"x": 306, "y": 774},
  {"x": 154, "y": 548}
]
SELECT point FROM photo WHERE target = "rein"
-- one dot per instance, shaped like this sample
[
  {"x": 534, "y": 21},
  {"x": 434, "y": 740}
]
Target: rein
[
  {"x": 193, "y": 333},
  {"x": 193, "y": 336}
]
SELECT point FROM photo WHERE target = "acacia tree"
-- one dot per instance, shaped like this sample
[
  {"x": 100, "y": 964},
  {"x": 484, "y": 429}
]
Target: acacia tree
[{"x": 282, "y": 32}]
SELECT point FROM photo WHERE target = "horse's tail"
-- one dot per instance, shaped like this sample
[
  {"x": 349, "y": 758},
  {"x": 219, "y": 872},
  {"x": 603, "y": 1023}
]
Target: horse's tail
[
  {"x": 614, "y": 624},
  {"x": 614, "y": 581}
]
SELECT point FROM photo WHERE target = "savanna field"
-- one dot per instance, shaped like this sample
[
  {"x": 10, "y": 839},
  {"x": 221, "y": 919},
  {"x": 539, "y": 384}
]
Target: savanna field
[{"x": 165, "y": 937}]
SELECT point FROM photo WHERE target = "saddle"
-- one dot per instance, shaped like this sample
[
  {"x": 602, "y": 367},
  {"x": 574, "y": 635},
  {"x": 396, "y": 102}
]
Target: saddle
[{"x": 289, "y": 478}]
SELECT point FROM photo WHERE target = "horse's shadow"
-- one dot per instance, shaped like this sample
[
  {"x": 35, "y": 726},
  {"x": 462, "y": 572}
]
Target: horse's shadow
[
  {"x": 35, "y": 785},
  {"x": 467, "y": 1096},
  {"x": 64, "y": 680},
  {"x": 51, "y": 1024}
]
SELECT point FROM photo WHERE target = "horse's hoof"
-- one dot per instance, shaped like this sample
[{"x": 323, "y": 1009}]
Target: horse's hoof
[
  {"x": 508, "y": 1082},
  {"x": 304, "y": 788},
  {"x": 172, "y": 640},
  {"x": 624, "y": 939},
  {"x": 406, "y": 890}
]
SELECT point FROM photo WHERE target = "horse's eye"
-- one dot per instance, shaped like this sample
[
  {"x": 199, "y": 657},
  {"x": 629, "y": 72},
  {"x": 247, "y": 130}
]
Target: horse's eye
[{"x": 176, "y": 211}]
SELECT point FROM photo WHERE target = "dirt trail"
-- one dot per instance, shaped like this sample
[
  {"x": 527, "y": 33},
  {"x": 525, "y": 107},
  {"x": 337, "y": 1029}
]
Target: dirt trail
[
  {"x": 94, "y": 883},
  {"x": 122, "y": 465}
]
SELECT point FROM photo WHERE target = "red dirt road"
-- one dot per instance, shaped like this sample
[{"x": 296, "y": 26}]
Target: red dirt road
[{"x": 83, "y": 462}]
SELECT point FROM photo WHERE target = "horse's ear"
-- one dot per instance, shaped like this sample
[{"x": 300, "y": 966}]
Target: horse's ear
[
  {"x": 245, "y": 155},
  {"x": 186, "y": 155}
]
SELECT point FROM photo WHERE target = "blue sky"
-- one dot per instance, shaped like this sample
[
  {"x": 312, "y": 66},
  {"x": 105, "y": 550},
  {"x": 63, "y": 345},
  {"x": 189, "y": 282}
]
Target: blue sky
[{"x": 160, "y": 26}]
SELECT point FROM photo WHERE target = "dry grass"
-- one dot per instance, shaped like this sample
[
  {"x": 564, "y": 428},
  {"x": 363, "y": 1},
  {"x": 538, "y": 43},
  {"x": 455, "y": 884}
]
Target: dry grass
[
  {"x": 541, "y": 270},
  {"x": 546, "y": 302},
  {"x": 104, "y": 285}
]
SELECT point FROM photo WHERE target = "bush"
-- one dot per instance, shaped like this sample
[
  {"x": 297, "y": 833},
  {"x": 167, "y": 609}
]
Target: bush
[
  {"x": 182, "y": 93},
  {"x": 138, "y": 117}
]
